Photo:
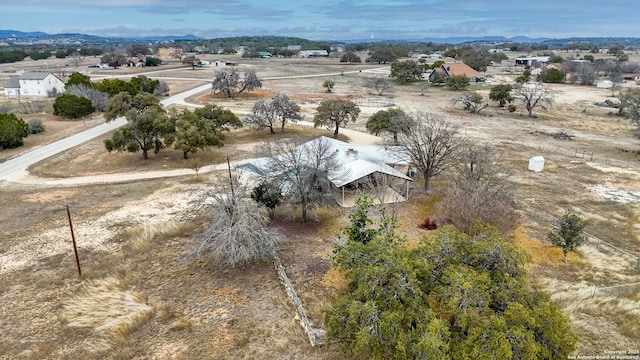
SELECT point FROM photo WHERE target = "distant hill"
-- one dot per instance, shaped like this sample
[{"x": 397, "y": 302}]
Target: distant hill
[
  {"x": 37, "y": 35},
  {"x": 460, "y": 40},
  {"x": 20, "y": 34}
]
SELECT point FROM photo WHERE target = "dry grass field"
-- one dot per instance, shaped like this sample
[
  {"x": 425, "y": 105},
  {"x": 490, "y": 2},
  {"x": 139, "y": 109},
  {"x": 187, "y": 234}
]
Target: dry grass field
[{"x": 142, "y": 297}]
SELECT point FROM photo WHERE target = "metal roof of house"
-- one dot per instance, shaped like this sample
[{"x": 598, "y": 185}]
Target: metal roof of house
[
  {"x": 356, "y": 161},
  {"x": 32, "y": 75},
  {"x": 13, "y": 83}
]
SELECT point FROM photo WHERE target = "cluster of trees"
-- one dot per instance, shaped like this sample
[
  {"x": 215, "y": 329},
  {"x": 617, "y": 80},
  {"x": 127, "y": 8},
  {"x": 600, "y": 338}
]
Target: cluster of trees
[
  {"x": 19, "y": 55},
  {"x": 530, "y": 96},
  {"x": 150, "y": 127},
  {"x": 82, "y": 96},
  {"x": 454, "y": 296}
]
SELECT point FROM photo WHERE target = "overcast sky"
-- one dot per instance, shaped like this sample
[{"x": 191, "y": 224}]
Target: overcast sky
[{"x": 325, "y": 19}]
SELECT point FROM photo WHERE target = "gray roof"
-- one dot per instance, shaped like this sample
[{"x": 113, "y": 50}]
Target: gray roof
[
  {"x": 32, "y": 75},
  {"x": 12, "y": 83},
  {"x": 356, "y": 161}
]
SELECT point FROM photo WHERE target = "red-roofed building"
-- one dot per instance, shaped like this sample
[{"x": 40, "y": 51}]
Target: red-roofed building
[{"x": 450, "y": 69}]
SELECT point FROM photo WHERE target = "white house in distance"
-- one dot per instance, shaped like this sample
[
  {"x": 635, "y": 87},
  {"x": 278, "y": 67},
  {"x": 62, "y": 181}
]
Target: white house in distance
[
  {"x": 312, "y": 53},
  {"x": 360, "y": 166},
  {"x": 34, "y": 84}
]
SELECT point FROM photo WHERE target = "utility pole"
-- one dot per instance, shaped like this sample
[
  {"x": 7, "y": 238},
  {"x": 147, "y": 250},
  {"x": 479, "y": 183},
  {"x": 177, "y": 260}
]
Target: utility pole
[{"x": 73, "y": 238}]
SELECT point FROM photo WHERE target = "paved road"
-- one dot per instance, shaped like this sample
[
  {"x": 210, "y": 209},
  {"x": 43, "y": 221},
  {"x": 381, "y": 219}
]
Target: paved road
[{"x": 16, "y": 168}]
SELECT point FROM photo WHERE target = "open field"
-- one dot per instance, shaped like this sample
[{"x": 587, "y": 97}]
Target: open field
[{"x": 134, "y": 237}]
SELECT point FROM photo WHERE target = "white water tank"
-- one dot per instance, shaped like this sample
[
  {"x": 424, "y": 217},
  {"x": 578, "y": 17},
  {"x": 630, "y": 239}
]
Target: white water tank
[{"x": 536, "y": 163}]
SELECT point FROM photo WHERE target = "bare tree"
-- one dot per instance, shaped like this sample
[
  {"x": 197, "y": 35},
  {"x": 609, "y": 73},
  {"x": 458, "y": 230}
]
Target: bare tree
[
  {"x": 237, "y": 233},
  {"x": 472, "y": 101},
  {"x": 265, "y": 114},
  {"x": 480, "y": 190},
  {"x": 380, "y": 86},
  {"x": 229, "y": 82},
  {"x": 303, "y": 171},
  {"x": 162, "y": 89},
  {"x": 630, "y": 107},
  {"x": 285, "y": 109},
  {"x": 98, "y": 99},
  {"x": 433, "y": 145},
  {"x": 533, "y": 96}
]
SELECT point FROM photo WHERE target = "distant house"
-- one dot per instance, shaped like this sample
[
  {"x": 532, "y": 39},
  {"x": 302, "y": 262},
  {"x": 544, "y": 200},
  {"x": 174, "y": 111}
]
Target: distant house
[
  {"x": 359, "y": 167},
  {"x": 530, "y": 61},
  {"x": 448, "y": 70},
  {"x": 34, "y": 84},
  {"x": 631, "y": 77},
  {"x": 264, "y": 54},
  {"x": 312, "y": 53},
  {"x": 136, "y": 62}
]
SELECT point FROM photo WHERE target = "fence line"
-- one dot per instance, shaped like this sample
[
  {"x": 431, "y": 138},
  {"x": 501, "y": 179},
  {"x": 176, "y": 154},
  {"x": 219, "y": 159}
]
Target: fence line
[
  {"x": 315, "y": 335},
  {"x": 375, "y": 102},
  {"x": 591, "y": 239}
]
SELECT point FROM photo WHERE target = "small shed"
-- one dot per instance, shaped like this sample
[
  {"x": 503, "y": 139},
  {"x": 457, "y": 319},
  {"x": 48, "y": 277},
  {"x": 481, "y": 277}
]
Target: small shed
[
  {"x": 605, "y": 84},
  {"x": 536, "y": 163}
]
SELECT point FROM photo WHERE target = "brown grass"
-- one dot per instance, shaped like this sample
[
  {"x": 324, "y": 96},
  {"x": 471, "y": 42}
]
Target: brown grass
[{"x": 107, "y": 309}]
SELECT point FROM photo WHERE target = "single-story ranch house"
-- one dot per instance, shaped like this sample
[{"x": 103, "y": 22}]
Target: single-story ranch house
[{"x": 360, "y": 167}]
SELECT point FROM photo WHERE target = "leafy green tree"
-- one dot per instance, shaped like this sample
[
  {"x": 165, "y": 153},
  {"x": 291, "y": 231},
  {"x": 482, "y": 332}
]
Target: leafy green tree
[
  {"x": 336, "y": 114},
  {"x": 406, "y": 71},
  {"x": 382, "y": 54},
  {"x": 458, "y": 82},
  {"x": 143, "y": 132},
  {"x": 569, "y": 233},
  {"x": 12, "y": 131},
  {"x": 152, "y": 61},
  {"x": 478, "y": 63},
  {"x": 72, "y": 106},
  {"x": 525, "y": 77},
  {"x": 269, "y": 195},
  {"x": 123, "y": 102},
  {"x": 350, "y": 57},
  {"x": 192, "y": 61},
  {"x": 552, "y": 75},
  {"x": 60, "y": 54},
  {"x": 329, "y": 85},
  {"x": 437, "y": 64},
  {"x": 200, "y": 129},
  {"x": 113, "y": 60},
  {"x": 393, "y": 121},
  {"x": 77, "y": 78},
  {"x": 453, "y": 296},
  {"x": 143, "y": 84},
  {"x": 502, "y": 94},
  {"x": 115, "y": 86}
]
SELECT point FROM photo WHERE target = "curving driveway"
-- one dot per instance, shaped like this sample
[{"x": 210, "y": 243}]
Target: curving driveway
[{"x": 15, "y": 169}]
